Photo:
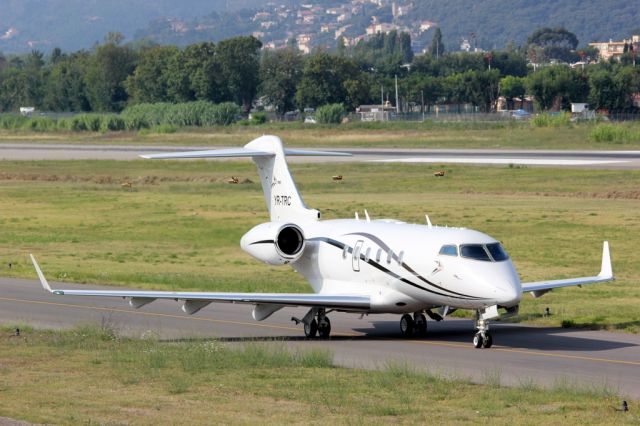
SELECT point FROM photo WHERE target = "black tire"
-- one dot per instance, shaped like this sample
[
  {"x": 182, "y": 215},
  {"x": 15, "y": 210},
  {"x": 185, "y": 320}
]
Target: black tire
[
  {"x": 406, "y": 325},
  {"x": 420, "y": 325},
  {"x": 324, "y": 330},
  {"x": 487, "y": 341},
  {"x": 477, "y": 340},
  {"x": 311, "y": 329}
]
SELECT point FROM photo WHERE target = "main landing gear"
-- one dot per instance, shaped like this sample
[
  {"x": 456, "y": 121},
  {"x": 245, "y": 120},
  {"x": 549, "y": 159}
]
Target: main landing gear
[
  {"x": 482, "y": 339},
  {"x": 316, "y": 322},
  {"x": 413, "y": 326}
]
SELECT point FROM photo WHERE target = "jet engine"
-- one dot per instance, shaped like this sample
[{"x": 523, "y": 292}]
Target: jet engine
[{"x": 274, "y": 243}]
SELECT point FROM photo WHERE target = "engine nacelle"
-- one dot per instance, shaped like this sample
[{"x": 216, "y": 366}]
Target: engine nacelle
[{"x": 275, "y": 243}]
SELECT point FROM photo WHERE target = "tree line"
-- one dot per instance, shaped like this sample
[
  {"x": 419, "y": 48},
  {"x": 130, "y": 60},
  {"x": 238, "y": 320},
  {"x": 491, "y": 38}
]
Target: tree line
[{"x": 114, "y": 75}]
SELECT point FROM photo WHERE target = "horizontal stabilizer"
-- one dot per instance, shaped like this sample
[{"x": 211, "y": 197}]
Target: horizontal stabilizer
[{"x": 241, "y": 152}]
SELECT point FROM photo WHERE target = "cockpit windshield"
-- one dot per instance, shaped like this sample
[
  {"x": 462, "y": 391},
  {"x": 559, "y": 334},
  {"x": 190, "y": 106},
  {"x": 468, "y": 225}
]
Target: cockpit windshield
[
  {"x": 486, "y": 252},
  {"x": 475, "y": 252},
  {"x": 497, "y": 252}
]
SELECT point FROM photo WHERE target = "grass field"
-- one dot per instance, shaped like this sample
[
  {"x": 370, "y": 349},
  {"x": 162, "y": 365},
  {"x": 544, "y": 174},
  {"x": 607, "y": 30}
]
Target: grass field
[
  {"x": 179, "y": 224},
  {"x": 91, "y": 376},
  {"x": 390, "y": 135}
]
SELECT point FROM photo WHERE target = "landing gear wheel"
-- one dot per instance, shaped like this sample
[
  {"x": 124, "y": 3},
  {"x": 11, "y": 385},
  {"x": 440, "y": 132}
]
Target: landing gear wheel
[
  {"x": 487, "y": 341},
  {"x": 324, "y": 329},
  {"x": 311, "y": 329},
  {"x": 478, "y": 340},
  {"x": 420, "y": 324},
  {"x": 406, "y": 325}
]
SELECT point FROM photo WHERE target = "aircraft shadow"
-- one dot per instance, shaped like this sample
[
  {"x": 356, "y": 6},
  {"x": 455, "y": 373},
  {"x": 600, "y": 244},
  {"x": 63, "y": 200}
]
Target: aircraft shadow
[{"x": 460, "y": 331}]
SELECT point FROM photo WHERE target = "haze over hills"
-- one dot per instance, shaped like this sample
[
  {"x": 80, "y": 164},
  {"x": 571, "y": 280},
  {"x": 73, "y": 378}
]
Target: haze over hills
[{"x": 79, "y": 24}]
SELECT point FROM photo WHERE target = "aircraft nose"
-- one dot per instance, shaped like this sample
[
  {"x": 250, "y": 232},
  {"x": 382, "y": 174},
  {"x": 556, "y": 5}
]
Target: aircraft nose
[{"x": 509, "y": 294}]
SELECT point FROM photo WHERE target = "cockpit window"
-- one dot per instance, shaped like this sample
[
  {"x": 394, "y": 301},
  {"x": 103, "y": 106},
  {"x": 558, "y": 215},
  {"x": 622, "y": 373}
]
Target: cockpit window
[
  {"x": 474, "y": 251},
  {"x": 497, "y": 252},
  {"x": 449, "y": 250}
]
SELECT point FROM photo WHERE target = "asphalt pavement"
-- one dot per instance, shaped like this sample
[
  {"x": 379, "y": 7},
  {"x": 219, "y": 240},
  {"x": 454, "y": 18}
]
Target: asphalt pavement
[{"x": 521, "y": 354}]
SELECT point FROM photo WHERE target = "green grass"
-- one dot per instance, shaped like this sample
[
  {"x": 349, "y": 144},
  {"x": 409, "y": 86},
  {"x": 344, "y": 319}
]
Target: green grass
[
  {"x": 90, "y": 375},
  {"x": 179, "y": 224},
  {"x": 358, "y": 134}
]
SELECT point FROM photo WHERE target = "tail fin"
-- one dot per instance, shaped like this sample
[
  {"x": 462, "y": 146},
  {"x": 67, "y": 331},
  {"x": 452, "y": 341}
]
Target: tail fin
[{"x": 280, "y": 192}]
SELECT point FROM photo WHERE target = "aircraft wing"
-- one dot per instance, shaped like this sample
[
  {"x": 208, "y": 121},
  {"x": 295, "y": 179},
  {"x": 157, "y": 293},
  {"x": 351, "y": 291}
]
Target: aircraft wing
[
  {"x": 539, "y": 288},
  {"x": 194, "y": 301},
  {"x": 241, "y": 152}
]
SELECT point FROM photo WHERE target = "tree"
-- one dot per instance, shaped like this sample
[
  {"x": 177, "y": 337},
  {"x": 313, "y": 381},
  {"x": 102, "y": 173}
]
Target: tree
[
  {"x": 436, "y": 49},
  {"x": 554, "y": 87},
  {"x": 323, "y": 80},
  {"x": 555, "y": 43},
  {"x": 65, "y": 88},
  {"x": 280, "y": 73},
  {"x": 239, "y": 59},
  {"x": 512, "y": 87},
  {"x": 149, "y": 81},
  {"x": 198, "y": 73},
  {"x": 107, "y": 70}
]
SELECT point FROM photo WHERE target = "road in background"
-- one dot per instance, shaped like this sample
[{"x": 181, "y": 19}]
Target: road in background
[{"x": 584, "y": 159}]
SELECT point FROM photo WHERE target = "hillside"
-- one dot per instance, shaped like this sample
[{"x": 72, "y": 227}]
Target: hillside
[{"x": 78, "y": 24}]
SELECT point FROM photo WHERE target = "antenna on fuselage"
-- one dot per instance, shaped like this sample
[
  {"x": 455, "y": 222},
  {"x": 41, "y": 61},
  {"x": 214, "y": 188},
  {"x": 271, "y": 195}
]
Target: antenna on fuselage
[
  {"x": 366, "y": 214},
  {"x": 429, "y": 225}
]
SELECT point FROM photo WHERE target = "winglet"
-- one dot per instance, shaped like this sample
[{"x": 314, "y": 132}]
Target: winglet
[
  {"x": 606, "y": 271},
  {"x": 43, "y": 280}
]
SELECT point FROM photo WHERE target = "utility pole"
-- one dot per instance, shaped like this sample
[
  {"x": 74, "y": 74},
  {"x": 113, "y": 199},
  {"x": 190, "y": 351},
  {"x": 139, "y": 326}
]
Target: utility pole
[
  {"x": 381, "y": 102},
  {"x": 397, "y": 104}
]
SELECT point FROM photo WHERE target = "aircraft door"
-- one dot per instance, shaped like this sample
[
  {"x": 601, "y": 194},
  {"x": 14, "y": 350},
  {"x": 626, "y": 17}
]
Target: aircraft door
[{"x": 357, "y": 249}]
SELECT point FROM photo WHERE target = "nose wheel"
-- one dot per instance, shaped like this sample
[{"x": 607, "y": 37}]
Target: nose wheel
[{"x": 482, "y": 339}]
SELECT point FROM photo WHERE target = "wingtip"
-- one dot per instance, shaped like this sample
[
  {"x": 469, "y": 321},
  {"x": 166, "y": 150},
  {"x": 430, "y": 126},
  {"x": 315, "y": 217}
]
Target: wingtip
[
  {"x": 606, "y": 270},
  {"x": 41, "y": 277}
]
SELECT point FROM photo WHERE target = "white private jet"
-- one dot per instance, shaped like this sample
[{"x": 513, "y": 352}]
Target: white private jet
[{"x": 361, "y": 266}]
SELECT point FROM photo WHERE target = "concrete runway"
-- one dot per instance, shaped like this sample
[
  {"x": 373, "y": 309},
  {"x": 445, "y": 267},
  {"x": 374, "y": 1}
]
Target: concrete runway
[
  {"x": 548, "y": 158},
  {"x": 520, "y": 355}
]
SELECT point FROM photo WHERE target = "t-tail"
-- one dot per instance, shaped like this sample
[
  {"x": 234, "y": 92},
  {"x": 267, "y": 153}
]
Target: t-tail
[{"x": 280, "y": 192}]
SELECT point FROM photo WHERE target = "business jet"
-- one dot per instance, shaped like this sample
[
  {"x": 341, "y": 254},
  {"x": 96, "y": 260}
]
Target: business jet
[{"x": 360, "y": 265}]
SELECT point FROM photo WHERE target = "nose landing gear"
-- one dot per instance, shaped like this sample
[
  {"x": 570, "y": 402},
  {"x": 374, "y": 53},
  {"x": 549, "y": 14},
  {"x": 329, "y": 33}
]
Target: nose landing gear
[{"x": 482, "y": 339}]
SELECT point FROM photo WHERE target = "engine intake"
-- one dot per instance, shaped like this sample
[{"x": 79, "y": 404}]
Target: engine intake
[{"x": 274, "y": 243}]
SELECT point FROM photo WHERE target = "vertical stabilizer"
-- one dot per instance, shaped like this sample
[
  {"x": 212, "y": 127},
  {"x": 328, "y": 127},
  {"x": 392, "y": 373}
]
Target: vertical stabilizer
[{"x": 280, "y": 192}]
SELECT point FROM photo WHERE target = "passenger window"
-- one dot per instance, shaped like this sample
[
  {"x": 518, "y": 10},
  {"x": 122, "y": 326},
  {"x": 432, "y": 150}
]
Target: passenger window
[
  {"x": 475, "y": 252},
  {"x": 367, "y": 254},
  {"x": 344, "y": 251},
  {"x": 449, "y": 250},
  {"x": 400, "y": 257},
  {"x": 389, "y": 256},
  {"x": 378, "y": 255}
]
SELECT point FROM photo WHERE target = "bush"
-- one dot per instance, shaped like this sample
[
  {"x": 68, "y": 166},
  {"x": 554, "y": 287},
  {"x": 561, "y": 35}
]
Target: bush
[
  {"x": 258, "y": 118},
  {"x": 199, "y": 113},
  {"x": 331, "y": 114},
  {"x": 39, "y": 124},
  {"x": 12, "y": 121},
  {"x": 616, "y": 133},
  {"x": 551, "y": 120},
  {"x": 111, "y": 122}
]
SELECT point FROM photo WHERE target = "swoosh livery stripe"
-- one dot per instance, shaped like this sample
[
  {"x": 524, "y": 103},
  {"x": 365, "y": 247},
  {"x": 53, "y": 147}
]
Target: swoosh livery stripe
[
  {"x": 381, "y": 268},
  {"x": 385, "y": 247}
]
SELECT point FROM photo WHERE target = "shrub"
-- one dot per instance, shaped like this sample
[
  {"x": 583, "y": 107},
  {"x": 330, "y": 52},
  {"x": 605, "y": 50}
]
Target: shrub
[
  {"x": 331, "y": 114},
  {"x": 39, "y": 124},
  {"x": 12, "y": 121},
  {"x": 111, "y": 122},
  {"x": 551, "y": 120},
  {"x": 258, "y": 118},
  {"x": 616, "y": 133}
]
